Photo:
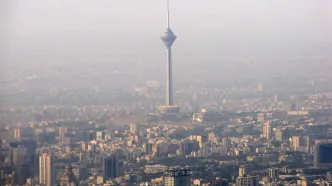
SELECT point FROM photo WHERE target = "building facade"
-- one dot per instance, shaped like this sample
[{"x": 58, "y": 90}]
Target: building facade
[
  {"x": 177, "y": 177},
  {"x": 322, "y": 156},
  {"x": 247, "y": 180},
  {"x": 46, "y": 170},
  {"x": 112, "y": 167}
]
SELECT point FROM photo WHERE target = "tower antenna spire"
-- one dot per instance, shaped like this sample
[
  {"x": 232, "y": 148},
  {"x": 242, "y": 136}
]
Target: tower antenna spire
[{"x": 168, "y": 14}]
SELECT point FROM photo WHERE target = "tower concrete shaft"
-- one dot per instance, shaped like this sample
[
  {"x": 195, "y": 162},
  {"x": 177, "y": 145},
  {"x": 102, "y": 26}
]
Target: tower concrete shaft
[{"x": 169, "y": 78}]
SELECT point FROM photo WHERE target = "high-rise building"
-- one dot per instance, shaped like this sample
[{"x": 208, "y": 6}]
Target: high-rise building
[
  {"x": 177, "y": 177},
  {"x": 62, "y": 134},
  {"x": 134, "y": 128},
  {"x": 322, "y": 157},
  {"x": 226, "y": 143},
  {"x": 282, "y": 135},
  {"x": 200, "y": 139},
  {"x": 267, "y": 130},
  {"x": 30, "y": 144},
  {"x": 17, "y": 133},
  {"x": 284, "y": 169},
  {"x": 247, "y": 180},
  {"x": 307, "y": 141},
  {"x": 112, "y": 167},
  {"x": 137, "y": 139},
  {"x": 301, "y": 142},
  {"x": 296, "y": 142},
  {"x": 30, "y": 154},
  {"x": 100, "y": 135},
  {"x": 46, "y": 170},
  {"x": 38, "y": 133},
  {"x": 20, "y": 155},
  {"x": 183, "y": 148},
  {"x": 81, "y": 173},
  {"x": 23, "y": 172},
  {"x": 273, "y": 172},
  {"x": 242, "y": 171},
  {"x": 260, "y": 117},
  {"x": 148, "y": 148}
]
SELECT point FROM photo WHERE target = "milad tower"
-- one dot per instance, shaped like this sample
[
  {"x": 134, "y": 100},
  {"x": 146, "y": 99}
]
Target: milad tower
[{"x": 168, "y": 38}]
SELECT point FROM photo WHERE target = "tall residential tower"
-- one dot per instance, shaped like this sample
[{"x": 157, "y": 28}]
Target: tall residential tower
[{"x": 46, "y": 170}]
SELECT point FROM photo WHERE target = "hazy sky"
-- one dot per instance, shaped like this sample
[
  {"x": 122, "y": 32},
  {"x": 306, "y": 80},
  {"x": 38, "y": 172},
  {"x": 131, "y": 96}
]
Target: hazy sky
[{"x": 106, "y": 31}]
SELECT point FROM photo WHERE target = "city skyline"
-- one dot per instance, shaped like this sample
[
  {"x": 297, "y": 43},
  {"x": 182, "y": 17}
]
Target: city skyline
[{"x": 87, "y": 97}]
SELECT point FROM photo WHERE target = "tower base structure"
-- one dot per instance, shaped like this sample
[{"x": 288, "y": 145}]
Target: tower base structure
[
  {"x": 168, "y": 110},
  {"x": 169, "y": 113}
]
